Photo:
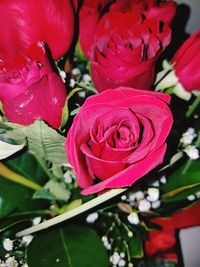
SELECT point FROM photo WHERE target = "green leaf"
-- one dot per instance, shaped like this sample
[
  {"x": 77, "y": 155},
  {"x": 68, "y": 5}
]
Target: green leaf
[
  {"x": 53, "y": 190},
  {"x": 43, "y": 141},
  {"x": 65, "y": 114},
  {"x": 27, "y": 165},
  {"x": 135, "y": 245},
  {"x": 13, "y": 195},
  {"x": 180, "y": 181},
  {"x": 183, "y": 194},
  {"x": 72, "y": 246}
]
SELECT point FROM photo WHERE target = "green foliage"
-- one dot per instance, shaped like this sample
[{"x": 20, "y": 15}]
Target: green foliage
[
  {"x": 43, "y": 141},
  {"x": 72, "y": 246}
]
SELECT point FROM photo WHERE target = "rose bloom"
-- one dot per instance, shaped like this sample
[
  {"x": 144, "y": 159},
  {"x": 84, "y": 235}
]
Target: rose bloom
[
  {"x": 123, "y": 44},
  {"x": 26, "y": 22},
  {"x": 30, "y": 90},
  {"x": 117, "y": 137},
  {"x": 186, "y": 63},
  {"x": 92, "y": 11},
  {"x": 159, "y": 241}
]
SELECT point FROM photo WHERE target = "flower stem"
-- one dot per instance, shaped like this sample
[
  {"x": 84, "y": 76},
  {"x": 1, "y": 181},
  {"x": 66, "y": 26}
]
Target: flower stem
[
  {"x": 69, "y": 214},
  {"x": 8, "y": 174},
  {"x": 192, "y": 108}
]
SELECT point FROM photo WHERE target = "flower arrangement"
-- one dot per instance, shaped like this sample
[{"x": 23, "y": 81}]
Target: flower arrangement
[{"x": 99, "y": 133}]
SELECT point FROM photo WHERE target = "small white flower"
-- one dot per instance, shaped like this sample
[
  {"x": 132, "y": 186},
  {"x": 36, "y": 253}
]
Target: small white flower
[
  {"x": 144, "y": 205},
  {"x": 122, "y": 263},
  {"x": 68, "y": 177},
  {"x": 123, "y": 198},
  {"x": 62, "y": 75},
  {"x": 86, "y": 78},
  {"x": 155, "y": 184},
  {"x": 198, "y": 194},
  {"x": 163, "y": 179},
  {"x": 131, "y": 197},
  {"x": 153, "y": 194},
  {"x": 192, "y": 152},
  {"x": 72, "y": 82},
  {"x": 57, "y": 260},
  {"x": 122, "y": 255},
  {"x": 91, "y": 218},
  {"x": 130, "y": 265},
  {"x": 115, "y": 258},
  {"x": 82, "y": 94},
  {"x": 37, "y": 220},
  {"x": 104, "y": 238},
  {"x": 8, "y": 244},
  {"x": 156, "y": 204},
  {"x": 139, "y": 195},
  {"x": 191, "y": 197},
  {"x": 27, "y": 239},
  {"x": 133, "y": 218},
  {"x": 188, "y": 136},
  {"x": 130, "y": 234},
  {"x": 76, "y": 72},
  {"x": 25, "y": 265},
  {"x": 11, "y": 262}
]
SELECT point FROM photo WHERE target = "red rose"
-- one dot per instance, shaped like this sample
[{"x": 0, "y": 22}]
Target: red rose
[
  {"x": 30, "y": 90},
  {"x": 117, "y": 137},
  {"x": 186, "y": 63},
  {"x": 159, "y": 241},
  {"x": 26, "y": 22},
  {"x": 92, "y": 11},
  {"x": 124, "y": 39}
]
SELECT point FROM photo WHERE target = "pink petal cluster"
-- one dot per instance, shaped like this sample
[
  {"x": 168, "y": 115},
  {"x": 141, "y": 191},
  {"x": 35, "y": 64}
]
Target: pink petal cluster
[
  {"x": 24, "y": 22},
  {"x": 30, "y": 89},
  {"x": 117, "y": 137},
  {"x": 123, "y": 43}
]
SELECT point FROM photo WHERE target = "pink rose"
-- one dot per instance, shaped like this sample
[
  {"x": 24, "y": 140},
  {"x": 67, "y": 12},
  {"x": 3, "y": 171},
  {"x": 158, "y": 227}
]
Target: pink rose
[
  {"x": 92, "y": 11},
  {"x": 30, "y": 90},
  {"x": 26, "y": 22},
  {"x": 123, "y": 40},
  {"x": 117, "y": 137},
  {"x": 186, "y": 63}
]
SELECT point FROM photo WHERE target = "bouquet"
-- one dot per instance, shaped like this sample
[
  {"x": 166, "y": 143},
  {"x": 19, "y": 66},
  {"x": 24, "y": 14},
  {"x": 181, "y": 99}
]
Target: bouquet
[{"x": 99, "y": 133}]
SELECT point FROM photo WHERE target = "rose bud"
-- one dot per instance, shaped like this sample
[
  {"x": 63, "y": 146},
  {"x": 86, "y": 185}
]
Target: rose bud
[
  {"x": 183, "y": 73},
  {"x": 92, "y": 11},
  {"x": 26, "y": 22},
  {"x": 117, "y": 137},
  {"x": 30, "y": 90},
  {"x": 125, "y": 50}
]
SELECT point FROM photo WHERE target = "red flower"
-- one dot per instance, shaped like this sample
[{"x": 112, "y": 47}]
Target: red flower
[
  {"x": 118, "y": 136},
  {"x": 159, "y": 241},
  {"x": 30, "y": 90},
  {"x": 26, "y": 22},
  {"x": 124, "y": 44},
  {"x": 186, "y": 63}
]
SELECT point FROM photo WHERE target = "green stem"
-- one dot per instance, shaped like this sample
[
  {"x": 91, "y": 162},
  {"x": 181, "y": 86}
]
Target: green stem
[
  {"x": 192, "y": 108},
  {"x": 70, "y": 214},
  {"x": 8, "y": 174}
]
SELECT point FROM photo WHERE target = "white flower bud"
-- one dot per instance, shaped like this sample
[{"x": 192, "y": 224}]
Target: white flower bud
[
  {"x": 133, "y": 218},
  {"x": 153, "y": 194},
  {"x": 192, "y": 152},
  {"x": 8, "y": 244},
  {"x": 144, "y": 205},
  {"x": 91, "y": 218}
]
